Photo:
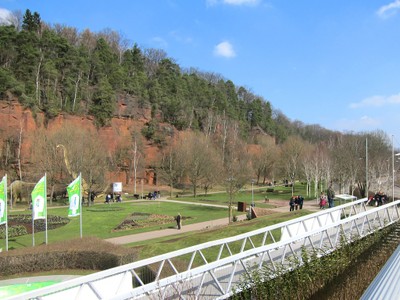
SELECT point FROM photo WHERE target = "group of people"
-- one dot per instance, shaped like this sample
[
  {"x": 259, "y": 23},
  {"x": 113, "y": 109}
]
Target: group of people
[
  {"x": 153, "y": 195},
  {"x": 110, "y": 198},
  {"x": 296, "y": 202},
  {"x": 327, "y": 199},
  {"x": 378, "y": 199}
]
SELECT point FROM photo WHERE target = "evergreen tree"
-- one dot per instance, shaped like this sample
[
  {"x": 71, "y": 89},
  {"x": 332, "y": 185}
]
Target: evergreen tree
[
  {"x": 31, "y": 22},
  {"x": 103, "y": 104}
]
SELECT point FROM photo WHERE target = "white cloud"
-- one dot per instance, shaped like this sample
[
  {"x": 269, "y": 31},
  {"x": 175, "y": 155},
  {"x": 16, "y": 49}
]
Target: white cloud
[
  {"x": 5, "y": 16},
  {"x": 377, "y": 101},
  {"x": 233, "y": 2},
  {"x": 389, "y": 10},
  {"x": 224, "y": 49}
]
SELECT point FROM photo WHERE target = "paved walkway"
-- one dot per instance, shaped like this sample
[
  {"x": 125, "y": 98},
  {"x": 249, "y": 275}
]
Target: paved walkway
[{"x": 280, "y": 206}]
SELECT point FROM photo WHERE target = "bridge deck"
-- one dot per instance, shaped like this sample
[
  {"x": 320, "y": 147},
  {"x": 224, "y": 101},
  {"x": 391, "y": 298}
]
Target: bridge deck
[{"x": 215, "y": 278}]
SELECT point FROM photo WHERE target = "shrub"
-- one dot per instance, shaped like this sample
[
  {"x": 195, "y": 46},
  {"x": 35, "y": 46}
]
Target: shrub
[
  {"x": 305, "y": 277},
  {"x": 87, "y": 253}
]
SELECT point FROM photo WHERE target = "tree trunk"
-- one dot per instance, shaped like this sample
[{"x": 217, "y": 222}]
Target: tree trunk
[
  {"x": 76, "y": 91},
  {"x": 19, "y": 152},
  {"x": 37, "y": 93}
]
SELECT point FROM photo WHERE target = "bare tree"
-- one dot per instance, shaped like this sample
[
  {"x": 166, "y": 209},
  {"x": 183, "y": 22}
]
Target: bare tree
[
  {"x": 378, "y": 164},
  {"x": 137, "y": 155},
  {"x": 197, "y": 154},
  {"x": 153, "y": 57},
  {"x": 81, "y": 155},
  {"x": 309, "y": 162},
  {"x": 316, "y": 167},
  {"x": 19, "y": 151},
  {"x": 291, "y": 158},
  {"x": 347, "y": 156},
  {"x": 67, "y": 32},
  {"x": 45, "y": 158},
  {"x": 264, "y": 160},
  {"x": 170, "y": 166},
  {"x": 236, "y": 165}
]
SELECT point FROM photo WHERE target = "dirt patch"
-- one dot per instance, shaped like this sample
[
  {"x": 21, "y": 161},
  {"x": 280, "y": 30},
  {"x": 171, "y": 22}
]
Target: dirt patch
[{"x": 260, "y": 212}]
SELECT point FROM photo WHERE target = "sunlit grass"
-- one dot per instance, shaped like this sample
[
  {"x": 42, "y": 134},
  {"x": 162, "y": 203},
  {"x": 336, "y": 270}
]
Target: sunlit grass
[{"x": 101, "y": 220}]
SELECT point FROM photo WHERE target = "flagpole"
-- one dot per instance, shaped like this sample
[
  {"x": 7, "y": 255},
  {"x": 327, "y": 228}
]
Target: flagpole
[
  {"x": 45, "y": 201},
  {"x": 33, "y": 223},
  {"x": 5, "y": 195},
  {"x": 80, "y": 202}
]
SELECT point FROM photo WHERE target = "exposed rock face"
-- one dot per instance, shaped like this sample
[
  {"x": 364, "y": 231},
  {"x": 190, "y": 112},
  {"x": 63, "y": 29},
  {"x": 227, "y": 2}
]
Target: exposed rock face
[{"x": 15, "y": 120}]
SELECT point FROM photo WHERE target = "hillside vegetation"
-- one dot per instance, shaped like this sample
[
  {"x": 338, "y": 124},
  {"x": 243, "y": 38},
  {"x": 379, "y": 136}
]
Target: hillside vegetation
[{"x": 204, "y": 128}]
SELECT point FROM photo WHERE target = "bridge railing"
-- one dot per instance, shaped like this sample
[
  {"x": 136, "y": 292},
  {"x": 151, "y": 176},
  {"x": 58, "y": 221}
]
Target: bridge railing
[
  {"x": 226, "y": 272},
  {"x": 227, "y": 258}
]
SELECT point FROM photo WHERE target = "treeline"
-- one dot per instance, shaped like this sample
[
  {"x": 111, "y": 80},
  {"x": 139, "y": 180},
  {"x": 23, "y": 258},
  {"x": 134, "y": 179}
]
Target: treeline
[{"x": 55, "y": 68}]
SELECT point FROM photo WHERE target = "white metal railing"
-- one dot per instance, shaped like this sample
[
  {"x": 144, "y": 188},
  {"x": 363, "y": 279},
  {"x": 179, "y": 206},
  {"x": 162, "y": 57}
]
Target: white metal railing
[{"x": 194, "y": 272}]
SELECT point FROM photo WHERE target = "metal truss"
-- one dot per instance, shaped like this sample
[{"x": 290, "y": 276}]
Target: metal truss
[{"x": 213, "y": 270}]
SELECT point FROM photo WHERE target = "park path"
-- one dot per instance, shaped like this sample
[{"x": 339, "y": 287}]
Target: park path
[{"x": 281, "y": 206}]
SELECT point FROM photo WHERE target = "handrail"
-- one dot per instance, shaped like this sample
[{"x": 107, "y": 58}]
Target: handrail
[{"x": 352, "y": 211}]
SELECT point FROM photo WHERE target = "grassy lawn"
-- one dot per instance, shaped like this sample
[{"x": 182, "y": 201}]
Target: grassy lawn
[
  {"x": 167, "y": 244},
  {"x": 101, "y": 219},
  {"x": 245, "y": 195}
]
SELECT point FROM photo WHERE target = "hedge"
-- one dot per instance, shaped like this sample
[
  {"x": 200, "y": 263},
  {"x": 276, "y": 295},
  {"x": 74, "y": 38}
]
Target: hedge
[{"x": 87, "y": 253}]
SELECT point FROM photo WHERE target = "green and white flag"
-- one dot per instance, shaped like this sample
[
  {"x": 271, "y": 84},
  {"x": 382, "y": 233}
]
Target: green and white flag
[
  {"x": 39, "y": 200},
  {"x": 3, "y": 201},
  {"x": 74, "y": 196}
]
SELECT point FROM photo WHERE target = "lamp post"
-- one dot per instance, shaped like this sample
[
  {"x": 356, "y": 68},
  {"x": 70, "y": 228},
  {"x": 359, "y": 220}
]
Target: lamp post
[
  {"x": 366, "y": 168},
  {"x": 394, "y": 171},
  {"x": 252, "y": 193}
]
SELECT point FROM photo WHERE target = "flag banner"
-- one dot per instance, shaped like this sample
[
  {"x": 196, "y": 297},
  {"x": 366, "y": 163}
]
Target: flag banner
[
  {"x": 3, "y": 201},
  {"x": 74, "y": 196},
  {"x": 39, "y": 201}
]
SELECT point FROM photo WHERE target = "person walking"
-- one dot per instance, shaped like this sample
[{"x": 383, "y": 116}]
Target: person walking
[
  {"x": 301, "y": 201},
  {"x": 178, "y": 219},
  {"x": 331, "y": 195},
  {"x": 291, "y": 204}
]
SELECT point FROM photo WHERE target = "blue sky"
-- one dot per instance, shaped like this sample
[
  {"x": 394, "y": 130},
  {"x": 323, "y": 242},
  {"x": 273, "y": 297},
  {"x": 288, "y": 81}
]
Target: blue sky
[{"x": 333, "y": 62}]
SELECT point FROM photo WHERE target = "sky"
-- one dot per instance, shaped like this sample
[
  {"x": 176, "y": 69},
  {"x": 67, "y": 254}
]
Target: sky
[{"x": 335, "y": 63}]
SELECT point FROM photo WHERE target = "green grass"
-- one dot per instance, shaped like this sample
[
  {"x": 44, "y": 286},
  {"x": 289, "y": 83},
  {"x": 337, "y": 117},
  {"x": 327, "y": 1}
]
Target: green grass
[
  {"x": 245, "y": 195},
  {"x": 172, "y": 243},
  {"x": 100, "y": 220}
]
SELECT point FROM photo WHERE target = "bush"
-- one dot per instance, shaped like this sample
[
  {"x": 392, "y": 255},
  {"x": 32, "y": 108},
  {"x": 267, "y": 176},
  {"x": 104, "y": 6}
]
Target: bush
[
  {"x": 303, "y": 278},
  {"x": 87, "y": 253}
]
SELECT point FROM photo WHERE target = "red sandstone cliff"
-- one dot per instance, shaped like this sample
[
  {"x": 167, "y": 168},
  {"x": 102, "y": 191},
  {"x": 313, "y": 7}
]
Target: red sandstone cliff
[{"x": 15, "y": 120}]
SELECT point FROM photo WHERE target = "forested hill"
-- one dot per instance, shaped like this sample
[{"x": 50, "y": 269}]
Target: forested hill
[{"x": 56, "y": 68}]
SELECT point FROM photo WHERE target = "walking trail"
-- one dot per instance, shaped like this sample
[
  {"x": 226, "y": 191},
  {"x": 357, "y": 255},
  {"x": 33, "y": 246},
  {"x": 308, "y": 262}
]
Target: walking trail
[{"x": 280, "y": 206}]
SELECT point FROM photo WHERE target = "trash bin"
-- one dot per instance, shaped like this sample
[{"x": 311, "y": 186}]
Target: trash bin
[{"x": 241, "y": 206}]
